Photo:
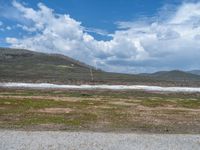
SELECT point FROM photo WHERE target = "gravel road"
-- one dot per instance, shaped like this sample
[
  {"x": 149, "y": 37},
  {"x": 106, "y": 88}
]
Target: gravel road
[{"x": 50, "y": 140}]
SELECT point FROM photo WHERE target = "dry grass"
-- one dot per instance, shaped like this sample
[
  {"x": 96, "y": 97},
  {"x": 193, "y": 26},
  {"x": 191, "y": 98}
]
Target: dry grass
[{"x": 130, "y": 111}]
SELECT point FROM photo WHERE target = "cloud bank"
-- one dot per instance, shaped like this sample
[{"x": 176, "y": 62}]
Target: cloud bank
[{"x": 137, "y": 46}]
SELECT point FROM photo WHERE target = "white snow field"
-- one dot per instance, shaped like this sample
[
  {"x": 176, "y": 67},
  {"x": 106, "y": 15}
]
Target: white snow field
[{"x": 93, "y": 87}]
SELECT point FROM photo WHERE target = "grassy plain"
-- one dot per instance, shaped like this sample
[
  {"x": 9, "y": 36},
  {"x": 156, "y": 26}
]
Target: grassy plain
[{"x": 101, "y": 111}]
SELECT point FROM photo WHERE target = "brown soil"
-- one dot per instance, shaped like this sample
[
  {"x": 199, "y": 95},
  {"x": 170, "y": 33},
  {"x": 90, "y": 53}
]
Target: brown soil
[{"x": 54, "y": 110}]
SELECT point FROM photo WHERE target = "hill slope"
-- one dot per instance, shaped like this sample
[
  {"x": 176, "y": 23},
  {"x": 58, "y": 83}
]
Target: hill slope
[
  {"x": 31, "y": 66},
  {"x": 197, "y": 72},
  {"x": 17, "y": 65},
  {"x": 175, "y": 75}
]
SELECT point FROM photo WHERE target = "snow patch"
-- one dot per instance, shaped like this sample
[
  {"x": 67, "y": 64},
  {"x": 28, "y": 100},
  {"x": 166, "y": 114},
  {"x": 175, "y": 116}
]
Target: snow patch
[{"x": 93, "y": 87}]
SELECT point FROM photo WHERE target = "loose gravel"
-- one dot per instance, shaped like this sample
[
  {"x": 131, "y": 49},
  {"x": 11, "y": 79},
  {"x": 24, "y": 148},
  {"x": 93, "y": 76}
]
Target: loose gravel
[{"x": 51, "y": 140}]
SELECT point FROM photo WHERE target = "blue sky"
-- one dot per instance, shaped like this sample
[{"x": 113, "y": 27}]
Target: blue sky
[
  {"x": 102, "y": 14},
  {"x": 129, "y": 36}
]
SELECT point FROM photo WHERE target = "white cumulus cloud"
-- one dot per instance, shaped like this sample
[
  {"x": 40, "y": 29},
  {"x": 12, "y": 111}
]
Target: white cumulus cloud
[{"x": 172, "y": 43}]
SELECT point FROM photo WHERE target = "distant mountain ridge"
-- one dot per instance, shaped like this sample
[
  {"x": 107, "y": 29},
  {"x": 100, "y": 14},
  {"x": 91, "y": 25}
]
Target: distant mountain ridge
[
  {"x": 174, "y": 75},
  {"x": 19, "y": 65},
  {"x": 197, "y": 72}
]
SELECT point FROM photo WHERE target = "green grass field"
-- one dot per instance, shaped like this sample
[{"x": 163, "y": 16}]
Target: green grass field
[{"x": 105, "y": 111}]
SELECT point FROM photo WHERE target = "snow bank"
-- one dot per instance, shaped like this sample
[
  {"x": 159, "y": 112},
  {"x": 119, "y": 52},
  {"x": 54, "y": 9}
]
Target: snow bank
[{"x": 91, "y": 87}]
